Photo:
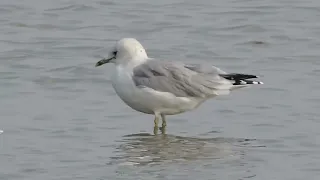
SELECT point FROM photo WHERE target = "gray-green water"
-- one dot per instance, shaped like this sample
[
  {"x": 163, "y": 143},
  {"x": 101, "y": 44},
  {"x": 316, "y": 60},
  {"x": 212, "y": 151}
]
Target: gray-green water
[{"x": 62, "y": 119}]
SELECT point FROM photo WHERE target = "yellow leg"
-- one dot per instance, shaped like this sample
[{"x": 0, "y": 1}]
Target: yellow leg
[
  {"x": 163, "y": 129},
  {"x": 156, "y": 122},
  {"x": 155, "y": 130},
  {"x": 164, "y": 122}
]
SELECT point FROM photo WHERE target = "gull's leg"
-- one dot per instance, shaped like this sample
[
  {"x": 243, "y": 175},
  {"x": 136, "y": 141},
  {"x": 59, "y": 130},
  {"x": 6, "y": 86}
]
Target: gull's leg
[
  {"x": 155, "y": 130},
  {"x": 163, "y": 129},
  {"x": 156, "y": 121},
  {"x": 164, "y": 122}
]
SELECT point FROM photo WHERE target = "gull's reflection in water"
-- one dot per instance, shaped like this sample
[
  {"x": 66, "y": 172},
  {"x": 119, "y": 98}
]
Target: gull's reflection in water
[{"x": 147, "y": 149}]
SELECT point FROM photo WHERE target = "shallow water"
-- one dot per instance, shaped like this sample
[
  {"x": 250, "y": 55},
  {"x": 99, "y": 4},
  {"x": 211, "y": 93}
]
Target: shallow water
[{"x": 62, "y": 119}]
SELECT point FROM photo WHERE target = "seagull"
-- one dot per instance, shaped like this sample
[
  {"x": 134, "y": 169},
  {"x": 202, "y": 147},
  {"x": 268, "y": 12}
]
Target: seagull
[{"x": 165, "y": 87}]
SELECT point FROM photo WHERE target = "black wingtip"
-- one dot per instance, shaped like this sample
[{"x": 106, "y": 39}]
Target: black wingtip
[{"x": 235, "y": 76}]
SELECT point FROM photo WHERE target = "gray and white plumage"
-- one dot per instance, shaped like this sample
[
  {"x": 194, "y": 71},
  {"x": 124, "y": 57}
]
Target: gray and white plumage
[
  {"x": 180, "y": 79},
  {"x": 166, "y": 88}
]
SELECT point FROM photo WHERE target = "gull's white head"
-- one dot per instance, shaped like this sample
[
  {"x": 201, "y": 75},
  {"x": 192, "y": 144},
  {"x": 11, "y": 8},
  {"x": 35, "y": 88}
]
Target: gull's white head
[{"x": 125, "y": 51}]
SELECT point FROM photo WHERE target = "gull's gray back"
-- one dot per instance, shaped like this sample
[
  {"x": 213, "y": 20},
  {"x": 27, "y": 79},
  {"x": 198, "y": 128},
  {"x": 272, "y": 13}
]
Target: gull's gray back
[
  {"x": 204, "y": 69},
  {"x": 180, "y": 79}
]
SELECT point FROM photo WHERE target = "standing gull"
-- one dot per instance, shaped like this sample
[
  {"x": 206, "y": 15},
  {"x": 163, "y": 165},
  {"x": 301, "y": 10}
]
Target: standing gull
[{"x": 166, "y": 88}]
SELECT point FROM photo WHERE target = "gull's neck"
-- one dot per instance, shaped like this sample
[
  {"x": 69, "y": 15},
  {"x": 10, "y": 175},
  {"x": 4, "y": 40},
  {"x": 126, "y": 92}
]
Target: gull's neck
[{"x": 132, "y": 63}]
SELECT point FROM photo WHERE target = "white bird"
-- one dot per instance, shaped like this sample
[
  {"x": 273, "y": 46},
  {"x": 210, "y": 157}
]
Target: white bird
[{"x": 166, "y": 88}]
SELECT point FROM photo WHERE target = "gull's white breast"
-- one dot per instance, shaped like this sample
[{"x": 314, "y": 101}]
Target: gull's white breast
[{"x": 147, "y": 100}]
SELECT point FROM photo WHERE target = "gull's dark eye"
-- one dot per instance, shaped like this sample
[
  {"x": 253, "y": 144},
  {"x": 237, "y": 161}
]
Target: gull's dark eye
[{"x": 114, "y": 53}]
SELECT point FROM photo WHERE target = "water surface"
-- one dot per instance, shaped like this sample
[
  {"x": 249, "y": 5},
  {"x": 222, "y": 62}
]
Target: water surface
[{"x": 62, "y": 119}]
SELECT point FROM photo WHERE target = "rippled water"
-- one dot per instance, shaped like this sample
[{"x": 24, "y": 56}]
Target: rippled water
[{"x": 62, "y": 119}]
